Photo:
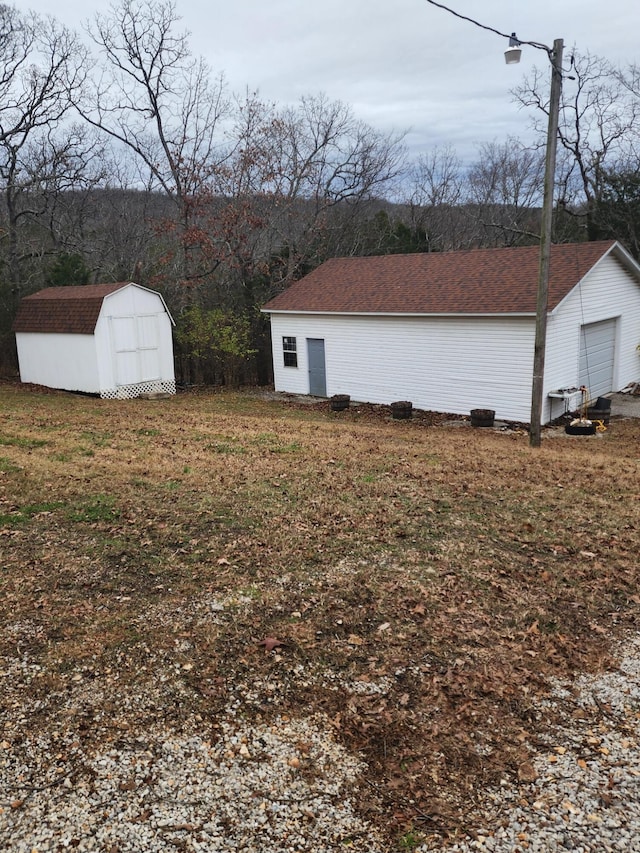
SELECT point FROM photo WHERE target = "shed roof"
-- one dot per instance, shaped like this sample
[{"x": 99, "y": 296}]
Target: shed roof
[
  {"x": 65, "y": 310},
  {"x": 473, "y": 282}
]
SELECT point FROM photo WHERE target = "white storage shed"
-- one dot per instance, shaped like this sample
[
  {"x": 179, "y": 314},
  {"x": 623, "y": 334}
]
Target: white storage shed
[
  {"x": 114, "y": 340},
  {"x": 455, "y": 331}
]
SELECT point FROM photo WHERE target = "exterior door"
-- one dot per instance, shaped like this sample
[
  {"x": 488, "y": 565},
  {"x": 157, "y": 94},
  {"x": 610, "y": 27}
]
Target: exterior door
[
  {"x": 148, "y": 347},
  {"x": 317, "y": 372},
  {"x": 597, "y": 357},
  {"x": 136, "y": 349},
  {"x": 123, "y": 333}
]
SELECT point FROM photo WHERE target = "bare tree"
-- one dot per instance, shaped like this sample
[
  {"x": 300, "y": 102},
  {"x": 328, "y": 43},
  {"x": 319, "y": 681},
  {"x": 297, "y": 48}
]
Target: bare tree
[
  {"x": 313, "y": 167},
  {"x": 253, "y": 186},
  {"x": 598, "y": 127},
  {"x": 42, "y": 67},
  {"x": 153, "y": 97},
  {"x": 503, "y": 193},
  {"x": 436, "y": 184}
]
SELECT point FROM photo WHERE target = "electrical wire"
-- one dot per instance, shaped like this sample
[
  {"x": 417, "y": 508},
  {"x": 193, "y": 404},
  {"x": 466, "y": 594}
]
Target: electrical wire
[{"x": 536, "y": 44}]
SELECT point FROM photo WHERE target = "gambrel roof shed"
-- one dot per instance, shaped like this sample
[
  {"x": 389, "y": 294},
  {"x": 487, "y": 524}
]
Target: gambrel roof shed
[
  {"x": 66, "y": 310},
  {"x": 453, "y": 331},
  {"x": 109, "y": 339}
]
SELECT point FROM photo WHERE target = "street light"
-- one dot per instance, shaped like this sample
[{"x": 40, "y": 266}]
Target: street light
[
  {"x": 513, "y": 53},
  {"x": 512, "y": 56}
]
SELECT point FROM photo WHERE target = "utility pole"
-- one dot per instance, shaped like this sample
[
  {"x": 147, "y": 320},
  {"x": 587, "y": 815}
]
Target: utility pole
[
  {"x": 512, "y": 57},
  {"x": 537, "y": 387}
]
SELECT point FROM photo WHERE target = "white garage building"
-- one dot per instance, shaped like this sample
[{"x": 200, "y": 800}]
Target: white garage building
[{"x": 455, "y": 331}]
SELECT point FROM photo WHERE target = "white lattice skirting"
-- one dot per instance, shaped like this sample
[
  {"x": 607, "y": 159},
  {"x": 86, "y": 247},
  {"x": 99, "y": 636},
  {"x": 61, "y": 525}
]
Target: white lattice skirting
[{"x": 129, "y": 392}]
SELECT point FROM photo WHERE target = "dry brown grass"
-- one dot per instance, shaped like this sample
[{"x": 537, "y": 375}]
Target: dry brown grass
[{"x": 457, "y": 567}]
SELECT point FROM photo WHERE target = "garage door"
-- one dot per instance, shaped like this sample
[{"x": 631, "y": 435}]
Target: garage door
[{"x": 597, "y": 357}]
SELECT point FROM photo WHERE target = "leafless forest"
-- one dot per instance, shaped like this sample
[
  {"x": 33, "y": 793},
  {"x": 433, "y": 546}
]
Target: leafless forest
[{"x": 124, "y": 157}]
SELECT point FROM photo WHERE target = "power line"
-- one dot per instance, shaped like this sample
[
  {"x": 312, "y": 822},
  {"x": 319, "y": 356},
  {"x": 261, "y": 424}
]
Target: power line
[{"x": 537, "y": 44}]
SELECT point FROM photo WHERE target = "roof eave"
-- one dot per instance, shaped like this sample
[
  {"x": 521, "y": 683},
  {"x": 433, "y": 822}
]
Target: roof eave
[
  {"x": 625, "y": 258},
  {"x": 399, "y": 313}
]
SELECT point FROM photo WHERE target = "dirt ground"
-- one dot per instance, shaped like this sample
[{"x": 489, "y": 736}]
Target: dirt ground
[{"x": 269, "y": 552}]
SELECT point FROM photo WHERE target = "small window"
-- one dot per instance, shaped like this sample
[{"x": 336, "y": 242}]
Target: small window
[{"x": 290, "y": 352}]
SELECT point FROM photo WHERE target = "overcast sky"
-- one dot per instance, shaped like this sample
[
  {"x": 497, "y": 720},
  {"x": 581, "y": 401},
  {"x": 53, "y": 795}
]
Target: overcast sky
[{"x": 401, "y": 65}]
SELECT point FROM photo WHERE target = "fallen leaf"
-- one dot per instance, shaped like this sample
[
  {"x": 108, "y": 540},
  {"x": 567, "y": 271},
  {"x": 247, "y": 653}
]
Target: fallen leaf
[
  {"x": 526, "y": 772},
  {"x": 355, "y": 640},
  {"x": 270, "y": 643}
]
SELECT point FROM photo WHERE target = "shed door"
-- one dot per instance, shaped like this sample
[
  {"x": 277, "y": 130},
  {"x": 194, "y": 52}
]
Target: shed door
[
  {"x": 148, "y": 347},
  {"x": 136, "y": 348},
  {"x": 317, "y": 372},
  {"x": 597, "y": 357}
]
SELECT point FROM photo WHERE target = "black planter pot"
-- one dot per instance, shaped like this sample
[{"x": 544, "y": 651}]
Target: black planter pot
[
  {"x": 482, "y": 417},
  {"x": 401, "y": 409},
  {"x": 340, "y": 402}
]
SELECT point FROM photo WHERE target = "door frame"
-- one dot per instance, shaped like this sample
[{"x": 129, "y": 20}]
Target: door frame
[{"x": 317, "y": 388}]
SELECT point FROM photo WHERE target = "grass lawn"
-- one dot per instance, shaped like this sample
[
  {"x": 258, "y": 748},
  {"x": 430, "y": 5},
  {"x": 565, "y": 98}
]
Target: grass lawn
[{"x": 415, "y": 582}]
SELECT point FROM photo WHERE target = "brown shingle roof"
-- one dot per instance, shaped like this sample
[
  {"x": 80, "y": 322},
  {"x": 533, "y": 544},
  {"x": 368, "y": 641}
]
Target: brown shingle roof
[
  {"x": 478, "y": 281},
  {"x": 64, "y": 310}
]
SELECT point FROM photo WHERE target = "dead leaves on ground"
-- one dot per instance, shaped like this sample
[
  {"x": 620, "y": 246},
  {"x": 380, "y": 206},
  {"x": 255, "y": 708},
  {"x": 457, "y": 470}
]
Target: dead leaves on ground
[{"x": 452, "y": 571}]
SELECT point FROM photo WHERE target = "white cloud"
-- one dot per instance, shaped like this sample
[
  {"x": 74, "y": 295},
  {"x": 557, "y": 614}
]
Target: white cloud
[{"x": 401, "y": 64}]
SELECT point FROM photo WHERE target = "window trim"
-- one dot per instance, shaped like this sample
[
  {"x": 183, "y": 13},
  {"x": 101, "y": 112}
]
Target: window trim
[{"x": 289, "y": 351}]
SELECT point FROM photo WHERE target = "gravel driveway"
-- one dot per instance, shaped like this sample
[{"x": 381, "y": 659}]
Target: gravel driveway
[{"x": 287, "y": 785}]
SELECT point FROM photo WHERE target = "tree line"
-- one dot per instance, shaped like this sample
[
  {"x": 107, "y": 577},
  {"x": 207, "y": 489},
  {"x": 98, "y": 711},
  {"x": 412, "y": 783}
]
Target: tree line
[{"x": 124, "y": 158}]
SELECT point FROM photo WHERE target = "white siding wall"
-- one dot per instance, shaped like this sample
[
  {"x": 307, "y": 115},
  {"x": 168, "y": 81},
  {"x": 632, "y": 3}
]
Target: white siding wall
[
  {"x": 607, "y": 292},
  {"x": 440, "y": 364},
  {"x": 59, "y": 361}
]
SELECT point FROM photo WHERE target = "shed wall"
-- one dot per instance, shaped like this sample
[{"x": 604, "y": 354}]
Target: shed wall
[
  {"x": 148, "y": 355},
  {"x": 69, "y": 362},
  {"x": 440, "y": 364}
]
